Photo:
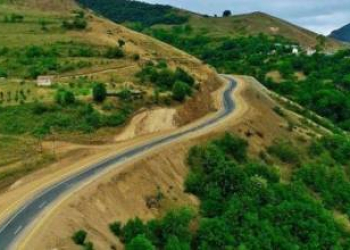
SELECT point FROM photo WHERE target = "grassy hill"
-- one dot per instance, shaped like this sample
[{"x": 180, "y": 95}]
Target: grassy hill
[
  {"x": 255, "y": 23},
  {"x": 82, "y": 54},
  {"x": 140, "y": 15}
]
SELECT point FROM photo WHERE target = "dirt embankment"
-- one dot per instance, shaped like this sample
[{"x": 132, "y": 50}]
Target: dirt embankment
[{"x": 133, "y": 190}]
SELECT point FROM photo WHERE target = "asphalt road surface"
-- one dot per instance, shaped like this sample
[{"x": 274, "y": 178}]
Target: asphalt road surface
[{"x": 12, "y": 228}]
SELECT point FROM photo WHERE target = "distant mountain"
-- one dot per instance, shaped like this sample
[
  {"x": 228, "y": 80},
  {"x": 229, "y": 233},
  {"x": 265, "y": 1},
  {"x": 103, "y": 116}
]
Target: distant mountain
[{"x": 342, "y": 34}]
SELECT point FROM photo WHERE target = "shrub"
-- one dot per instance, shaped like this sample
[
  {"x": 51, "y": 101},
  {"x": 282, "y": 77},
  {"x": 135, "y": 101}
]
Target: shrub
[
  {"x": 140, "y": 242},
  {"x": 285, "y": 151},
  {"x": 114, "y": 53},
  {"x": 116, "y": 228},
  {"x": 99, "y": 92},
  {"x": 65, "y": 97},
  {"x": 180, "y": 91},
  {"x": 79, "y": 237}
]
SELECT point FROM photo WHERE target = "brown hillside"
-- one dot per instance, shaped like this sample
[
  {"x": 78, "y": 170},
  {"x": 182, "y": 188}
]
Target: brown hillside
[{"x": 255, "y": 23}]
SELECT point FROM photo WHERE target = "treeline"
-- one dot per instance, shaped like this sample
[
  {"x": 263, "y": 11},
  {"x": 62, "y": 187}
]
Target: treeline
[
  {"x": 245, "y": 205},
  {"x": 145, "y": 14}
]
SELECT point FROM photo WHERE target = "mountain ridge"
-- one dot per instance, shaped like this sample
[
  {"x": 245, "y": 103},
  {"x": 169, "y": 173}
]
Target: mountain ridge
[{"x": 342, "y": 34}]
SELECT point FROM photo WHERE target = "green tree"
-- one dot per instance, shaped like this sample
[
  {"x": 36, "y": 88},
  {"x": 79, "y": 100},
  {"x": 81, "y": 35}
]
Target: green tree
[
  {"x": 173, "y": 243},
  {"x": 99, "y": 92},
  {"x": 65, "y": 97},
  {"x": 140, "y": 242},
  {"x": 79, "y": 237},
  {"x": 227, "y": 13},
  {"x": 121, "y": 43},
  {"x": 180, "y": 91},
  {"x": 133, "y": 228}
]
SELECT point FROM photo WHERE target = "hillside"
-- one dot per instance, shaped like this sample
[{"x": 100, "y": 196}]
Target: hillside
[
  {"x": 100, "y": 74},
  {"x": 307, "y": 68},
  {"x": 290, "y": 171},
  {"x": 140, "y": 15},
  {"x": 342, "y": 34}
]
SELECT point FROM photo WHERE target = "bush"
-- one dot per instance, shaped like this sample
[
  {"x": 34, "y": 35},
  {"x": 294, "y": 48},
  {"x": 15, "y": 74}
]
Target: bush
[
  {"x": 180, "y": 91},
  {"x": 99, "y": 92},
  {"x": 285, "y": 151},
  {"x": 79, "y": 237},
  {"x": 65, "y": 97},
  {"x": 116, "y": 228},
  {"x": 140, "y": 242},
  {"x": 89, "y": 246},
  {"x": 114, "y": 53}
]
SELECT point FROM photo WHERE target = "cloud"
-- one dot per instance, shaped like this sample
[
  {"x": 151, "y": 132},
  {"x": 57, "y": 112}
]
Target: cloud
[{"x": 321, "y": 16}]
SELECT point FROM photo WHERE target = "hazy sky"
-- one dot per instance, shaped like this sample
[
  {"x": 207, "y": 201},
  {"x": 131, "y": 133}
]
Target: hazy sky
[{"x": 321, "y": 16}]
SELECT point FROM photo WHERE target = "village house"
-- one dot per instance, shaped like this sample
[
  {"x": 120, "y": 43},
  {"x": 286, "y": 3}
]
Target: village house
[{"x": 44, "y": 81}]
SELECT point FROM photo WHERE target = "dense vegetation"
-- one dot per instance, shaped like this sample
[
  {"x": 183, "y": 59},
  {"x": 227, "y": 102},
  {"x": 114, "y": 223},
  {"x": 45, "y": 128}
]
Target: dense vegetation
[
  {"x": 65, "y": 116},
  {"x": 179, "y": 81},
  {"x": 324, "y": 87},
  {"x": 246, "y": 205},
  {"x": 142, "y": 13}
]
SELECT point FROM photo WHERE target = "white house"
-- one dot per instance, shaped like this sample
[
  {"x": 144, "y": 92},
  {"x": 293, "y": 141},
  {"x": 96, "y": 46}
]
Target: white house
[
  {"x": 310, "y": 51},
  {"x": 295, "y": 51},
  {"x": 44, "y": 81}
]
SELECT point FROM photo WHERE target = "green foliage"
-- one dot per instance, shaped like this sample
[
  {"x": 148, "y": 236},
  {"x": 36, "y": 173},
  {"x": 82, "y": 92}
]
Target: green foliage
[
  {"x": 246, "y": 206},
  {"x": 89, "y": 246},
  {"x": 285, "y": 151},
  {"x": 227, "y": 13},
  {"x": 233, "y": 146},
  {"x": 99, "y": 92},
  {"x": 3, "y": 73},
  {"x": 144, "y": 14},
  {"x": 325, "y": 89},
  {"x": 64, "y": 97},
  {"x": 173, "y": 243},
  {"x": 181, "y": 90},
  {"x": 132, "y": 229},
  {"x": 40, "y": 119},
  {"x": 78, "y": 22},
  {"x": 140, "y": 242},
  {"x": 116, "y": 228},
  {"x": 330, "y": 182},
  {"x": 179, "y": 82},
  {"x": 79, "y": 237},
  {"x": 32, "y": 61},
  {"x": 114, "y": 53}
]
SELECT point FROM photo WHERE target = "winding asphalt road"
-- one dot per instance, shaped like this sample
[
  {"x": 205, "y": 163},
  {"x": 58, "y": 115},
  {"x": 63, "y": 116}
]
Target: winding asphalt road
[{"x": 12, "y": 228}]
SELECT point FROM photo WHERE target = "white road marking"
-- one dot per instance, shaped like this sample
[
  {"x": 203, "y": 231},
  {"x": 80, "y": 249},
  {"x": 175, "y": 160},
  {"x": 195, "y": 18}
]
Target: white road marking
[
  {"x": 17, "y": 230},
  {"x": 42, "y": 205}
]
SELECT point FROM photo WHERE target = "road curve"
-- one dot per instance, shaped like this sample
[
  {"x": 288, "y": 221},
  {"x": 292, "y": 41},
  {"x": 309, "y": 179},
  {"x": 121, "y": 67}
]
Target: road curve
[{"x": 15, "y": 225}]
